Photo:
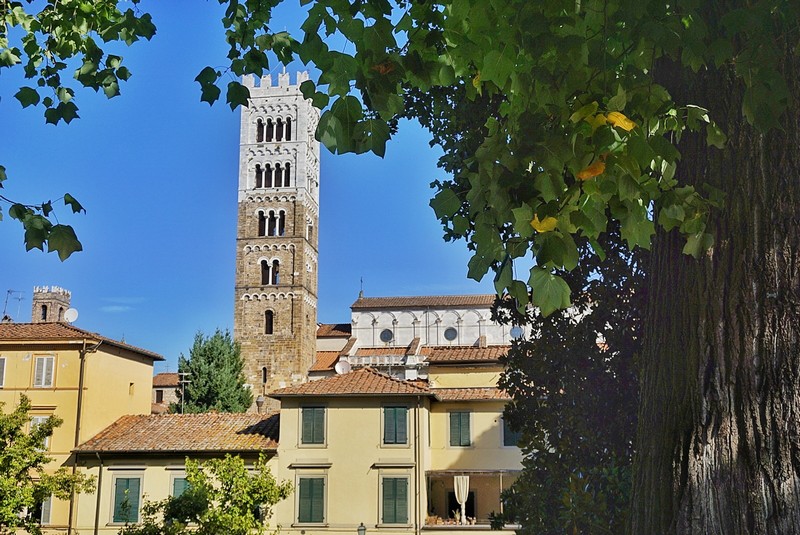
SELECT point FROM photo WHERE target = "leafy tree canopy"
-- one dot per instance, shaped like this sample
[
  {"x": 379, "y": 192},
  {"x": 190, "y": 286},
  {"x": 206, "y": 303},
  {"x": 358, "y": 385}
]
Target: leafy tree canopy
[
  {"x": 222, "y": 496},
  {"x": 48, "y": 40},
  {"x": 215, "y": 375},
  {"x": 24, "y": 480}
]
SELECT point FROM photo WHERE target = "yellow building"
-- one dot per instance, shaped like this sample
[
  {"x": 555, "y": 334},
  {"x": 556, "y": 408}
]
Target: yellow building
[
  {"x": 85, "y": 379},
  {"x": 141, "y": 458}
]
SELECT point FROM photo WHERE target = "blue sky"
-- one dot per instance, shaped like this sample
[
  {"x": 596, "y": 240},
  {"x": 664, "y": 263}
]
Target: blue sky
[{"x": 156, "y": 170}]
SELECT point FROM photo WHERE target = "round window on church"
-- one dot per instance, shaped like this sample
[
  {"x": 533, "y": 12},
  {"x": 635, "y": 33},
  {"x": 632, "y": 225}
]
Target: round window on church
[
  {"x": 387, "y": 335},
  {"x": 450, "y": 334}
]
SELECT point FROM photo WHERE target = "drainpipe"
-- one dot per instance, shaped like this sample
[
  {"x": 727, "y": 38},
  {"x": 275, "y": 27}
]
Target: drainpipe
[
  {"x": 99, "y": 489},
  {"x": 79, "y": 412},
  {"x": 417, "y": 467}
]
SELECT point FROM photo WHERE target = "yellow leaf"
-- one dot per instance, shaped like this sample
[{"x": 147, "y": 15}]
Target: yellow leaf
[
  {"x": 476, "y": 81},
  {"x": 545, "y": 225},
  {"x": 619, "y": 120},
  {"x": 596, "y": 121},
  {"x": 597, "y": 168}
]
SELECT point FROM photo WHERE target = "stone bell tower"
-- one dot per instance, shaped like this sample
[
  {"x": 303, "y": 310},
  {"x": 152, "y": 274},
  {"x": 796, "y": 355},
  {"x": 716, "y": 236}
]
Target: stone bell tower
[{"x": 275, "y": 314}]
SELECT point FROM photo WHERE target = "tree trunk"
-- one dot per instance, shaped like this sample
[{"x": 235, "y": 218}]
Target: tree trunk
[{"x": 718, "y": 442}]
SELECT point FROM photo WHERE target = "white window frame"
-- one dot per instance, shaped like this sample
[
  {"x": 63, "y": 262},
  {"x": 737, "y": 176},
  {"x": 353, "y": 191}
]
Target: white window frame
[
  {"x": 2, "y": 372},
  {"x": 172, "y": 477},
  {"x": 42, "y": 382},
  {"x": 47, "y": 506}
]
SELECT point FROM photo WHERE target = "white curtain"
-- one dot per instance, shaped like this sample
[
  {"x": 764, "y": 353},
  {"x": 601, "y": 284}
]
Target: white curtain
[{"x": 461, "y": 484}]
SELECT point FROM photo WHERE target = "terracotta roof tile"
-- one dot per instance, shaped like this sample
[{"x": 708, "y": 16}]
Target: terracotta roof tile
[
  {"x": 360, "y": 382},
  {"x": 375, "y": 351},
  {"x": 208, "y": 432},
  {"x": 424, "y": 301},
  {"x": 448, "y": 354},
  {"x": 47, "y": 332},
  {"x": 166, "y": 379},
  {"x": 326, "y": 360},
  {"x": 334, "y": 330},
  {"x": 470, "y": 394}
]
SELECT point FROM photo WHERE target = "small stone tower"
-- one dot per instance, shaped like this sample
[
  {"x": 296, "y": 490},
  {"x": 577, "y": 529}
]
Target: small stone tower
[
  {"x": 275, "y": 313},
  {"x": 49, "y": 304}
]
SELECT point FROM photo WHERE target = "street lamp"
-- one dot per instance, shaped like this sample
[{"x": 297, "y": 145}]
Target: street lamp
[
  {"x": 362, "y": 530},
  {"x": 260, "y": 403}
]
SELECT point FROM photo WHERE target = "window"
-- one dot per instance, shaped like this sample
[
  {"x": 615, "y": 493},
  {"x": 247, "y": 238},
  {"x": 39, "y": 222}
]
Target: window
[
  {"x": 159, "y": 396},
  {"x": 450, "y": 334},
  {"x": 395, "y": 425},
  {"x": 269, "y": 322},
  {"x": 276, "y": 278},
  {"x": 262, "y": 224},
  {"x": 268, "y": 176},
  {"x": 510, "y": 438},
  {"x": 40, "y": 512},
  {"x": 2, "y": 371},
  {"x": 270, "y": 130},
  {"x": 288, "y": 129},
  {"x": 395, "y": 500},
  {"x": 126, "y": 499},
  {"x": 459, "y": 428},
  {"x": 282, "y": 223},
  {"x": 259, "y": 131},
  {"x": 387, "y": 335},
  {"x": 287, "y": 172},
  {"x": 278, "y": 175},
  {"x": 179, "y": 485},
  {"x": 43, "y": 372},
  {"x": 264, "y": 375},
  {"x": 259, "y": 177},
  {"x": 313, "y": 425},
  {"x": 272, "y": 223},
  {"x": 44, "y": 313},
  {"x": 36, "y": 421},
  {"x": 311, "y": 500},
  {"x": 279, "y": 129}
]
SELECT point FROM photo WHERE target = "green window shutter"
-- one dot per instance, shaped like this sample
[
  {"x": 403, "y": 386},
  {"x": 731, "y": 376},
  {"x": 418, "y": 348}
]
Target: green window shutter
[
  {"x": 126, "y": 499},
  {"x": 389, "y": 417},
  {"x": 308, "y": 426},
  {"x": 313, "y": 421},
  {"x": 179, "y": 486},
  {"x": 459, "y": 428},
  {"x": 510, "y": 438},
  {"x": 465, "y": 434},
  {"x": 311, "y": 501},
  {"x": 400, "y": 422},
  {"x": 319, "y": 425},
  {"x": 395, "y": 500}
]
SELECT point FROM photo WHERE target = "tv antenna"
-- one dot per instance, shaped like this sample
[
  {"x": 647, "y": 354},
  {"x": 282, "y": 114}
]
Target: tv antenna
[{"x": 12, "y": 294}]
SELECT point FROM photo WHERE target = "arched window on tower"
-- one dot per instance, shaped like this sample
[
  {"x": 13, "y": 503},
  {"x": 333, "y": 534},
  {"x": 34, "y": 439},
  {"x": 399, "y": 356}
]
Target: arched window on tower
[
  {"x": 282, "y": 223},
  {"x": 259, "y": 131},
  {"x": 310, "y": 232},
  {"x": 44, "y": 312},
  {"x": 288, "y": 129},
  {"x": 279, "y": 129},
  {"x": 264, "y": 370},
  {"x": 60, "y": 313},
  {"x": 265, "y": 275},
  {"x": 278, "y": 175},
  {"x": 262, "y": 224},
  {"x": 269, "y": 326},
  {"x": 270, "y": 133},
  {"x": 268, "y": 176},
  {"x": 272, "y": 224},
  {"x": 286, "y": 174},
  {"x": 259, "y": 176},
  {"x": 276, "y": 277}
]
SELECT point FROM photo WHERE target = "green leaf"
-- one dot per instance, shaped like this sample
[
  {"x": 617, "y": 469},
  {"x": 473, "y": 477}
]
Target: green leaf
[
  {"x": 550, "y": 292},
  {"x": 237, "y": 95},
  {"x": 70, "y": 201},
  {"x": 698, "y": 244},
  {"x": 27, "y": 96},
  {"x": 207, "y": 76},
  {"x": 62, "y": 239},
  {"x": 445, "y": 204},
  {"x": 584, "y": 111},
  {"x": 617, "y": 102},
  {"x": 715, "y": 136},
  {"x": 522, "y": 220}
]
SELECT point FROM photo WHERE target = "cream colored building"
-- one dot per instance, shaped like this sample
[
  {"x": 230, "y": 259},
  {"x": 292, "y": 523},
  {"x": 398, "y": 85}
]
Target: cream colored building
[
  {"x": 85, "y": 379},
  {"x": 141, "y": 458}
]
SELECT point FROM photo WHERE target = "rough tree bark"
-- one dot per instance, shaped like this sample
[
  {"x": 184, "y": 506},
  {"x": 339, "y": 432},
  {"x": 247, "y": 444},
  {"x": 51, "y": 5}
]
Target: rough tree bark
[{"x": 718, "y": 442}]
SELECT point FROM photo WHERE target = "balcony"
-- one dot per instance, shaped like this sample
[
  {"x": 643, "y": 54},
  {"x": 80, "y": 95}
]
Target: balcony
[{"x": 484, "y": 488}]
